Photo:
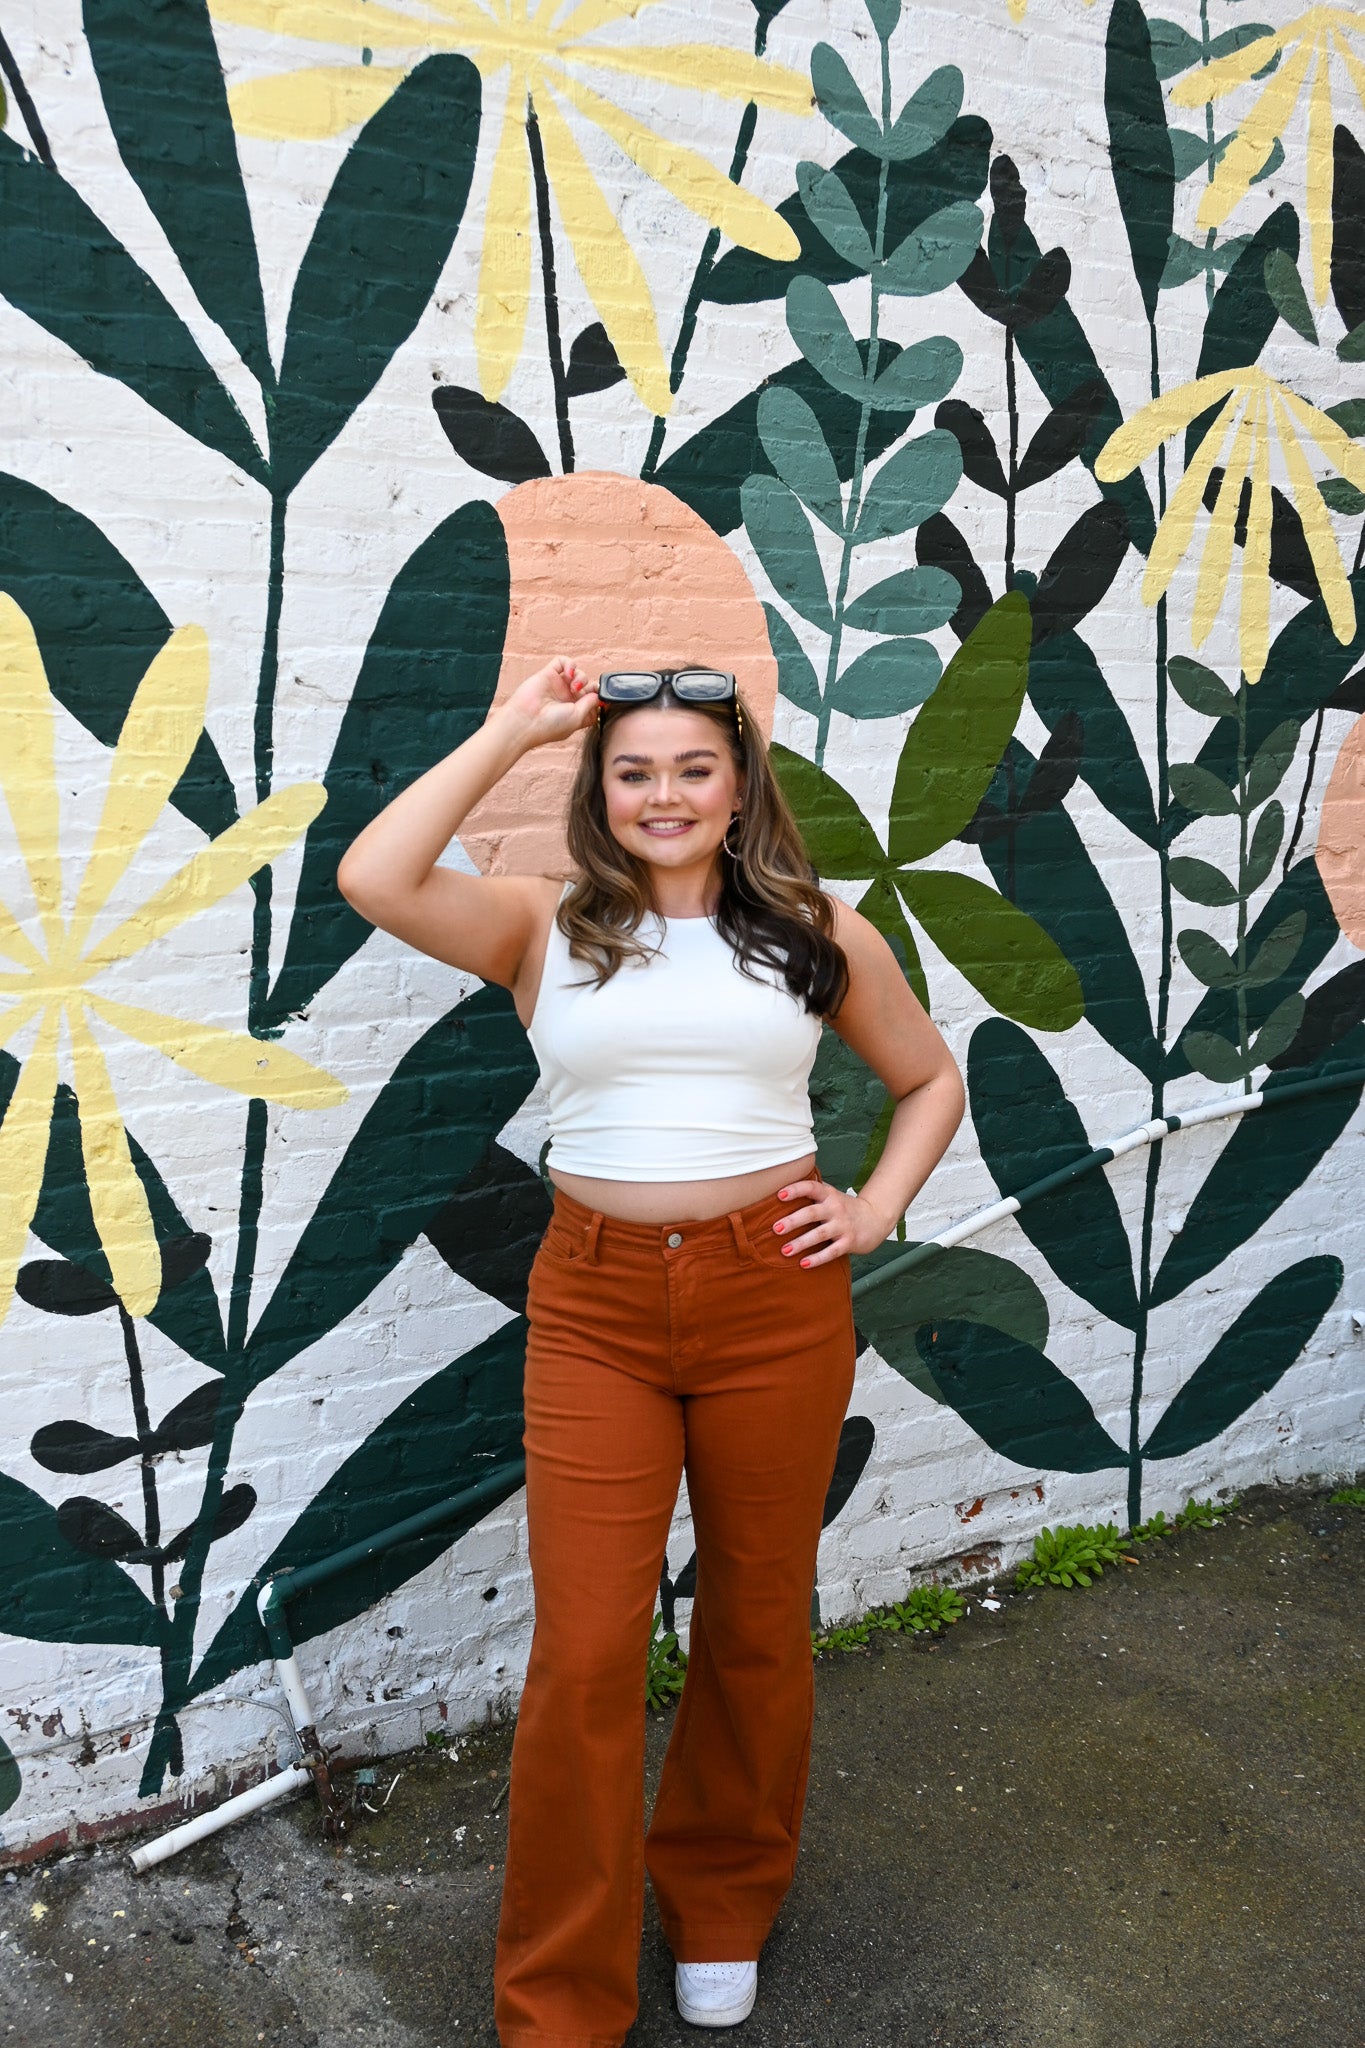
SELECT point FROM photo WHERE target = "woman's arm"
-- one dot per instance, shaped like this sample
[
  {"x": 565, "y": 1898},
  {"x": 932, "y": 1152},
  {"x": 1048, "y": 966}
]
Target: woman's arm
[
  {"x": 887, "y": 1027},
  {"x": 481, "y": 924}
]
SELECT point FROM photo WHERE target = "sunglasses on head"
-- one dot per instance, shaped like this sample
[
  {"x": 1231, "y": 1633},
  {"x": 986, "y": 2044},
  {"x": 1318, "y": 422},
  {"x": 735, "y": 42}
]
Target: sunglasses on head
[{"x": 689, "y": 685}]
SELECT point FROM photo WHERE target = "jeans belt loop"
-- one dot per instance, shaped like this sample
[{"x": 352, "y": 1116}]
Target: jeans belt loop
[{"x": 743, "y": 1242}]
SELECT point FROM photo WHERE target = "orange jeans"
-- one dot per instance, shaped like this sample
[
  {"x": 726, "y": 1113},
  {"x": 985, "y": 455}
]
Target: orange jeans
[{"x": 655, "y": 1350}]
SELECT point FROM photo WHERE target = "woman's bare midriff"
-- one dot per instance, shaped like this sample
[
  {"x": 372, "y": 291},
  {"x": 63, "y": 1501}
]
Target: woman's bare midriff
[{"x": 681, "y": 1201}]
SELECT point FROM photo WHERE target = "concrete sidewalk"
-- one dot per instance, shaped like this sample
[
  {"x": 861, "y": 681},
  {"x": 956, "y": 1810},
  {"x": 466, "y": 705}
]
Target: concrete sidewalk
[{"x": 1128, "y": 1815}]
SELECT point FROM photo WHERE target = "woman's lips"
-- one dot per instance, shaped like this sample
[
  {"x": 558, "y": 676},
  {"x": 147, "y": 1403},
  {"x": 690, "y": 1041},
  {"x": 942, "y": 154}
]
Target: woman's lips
[{"x": 667, "y": 828}]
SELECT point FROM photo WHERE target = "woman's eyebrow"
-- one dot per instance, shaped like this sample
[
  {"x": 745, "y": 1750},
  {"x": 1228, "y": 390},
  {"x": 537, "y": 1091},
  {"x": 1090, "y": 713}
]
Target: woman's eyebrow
[{"x": 647, "y": 760}]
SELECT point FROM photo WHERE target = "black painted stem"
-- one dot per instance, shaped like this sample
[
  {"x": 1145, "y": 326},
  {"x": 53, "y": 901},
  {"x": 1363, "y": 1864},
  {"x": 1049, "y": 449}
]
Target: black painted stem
[
  {"x": 14, "y": 78},
  {"x": 540, "y": 179}
]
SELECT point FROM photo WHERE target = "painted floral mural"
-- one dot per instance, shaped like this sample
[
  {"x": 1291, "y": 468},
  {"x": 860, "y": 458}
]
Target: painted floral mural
[{"x": 1055, "y": 617}]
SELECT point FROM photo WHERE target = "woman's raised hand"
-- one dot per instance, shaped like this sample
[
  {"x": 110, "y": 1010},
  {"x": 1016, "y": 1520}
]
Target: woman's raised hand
[{"x": 556, "y": 701}]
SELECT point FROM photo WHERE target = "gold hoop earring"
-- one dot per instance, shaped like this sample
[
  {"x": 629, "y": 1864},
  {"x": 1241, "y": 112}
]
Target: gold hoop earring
[{"x": 732, "y": 850}]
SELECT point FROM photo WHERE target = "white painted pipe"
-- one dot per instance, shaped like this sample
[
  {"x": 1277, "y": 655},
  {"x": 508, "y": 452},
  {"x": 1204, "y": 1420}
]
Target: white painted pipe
[{"x": 265, "y": 1794}]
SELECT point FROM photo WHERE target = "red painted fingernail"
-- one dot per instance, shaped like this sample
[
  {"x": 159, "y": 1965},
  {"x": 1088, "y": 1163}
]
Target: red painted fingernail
[
  {"x": 805, "y": 1262},
  {"x": 787, "y": 1250}
]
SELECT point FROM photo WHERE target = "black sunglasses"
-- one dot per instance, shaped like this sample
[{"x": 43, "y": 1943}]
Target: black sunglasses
[{"x": 689, "y": 685}]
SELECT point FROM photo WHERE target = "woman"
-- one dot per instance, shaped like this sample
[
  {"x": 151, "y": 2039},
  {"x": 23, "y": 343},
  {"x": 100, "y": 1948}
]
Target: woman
[{"x": 689, "y": 1307}]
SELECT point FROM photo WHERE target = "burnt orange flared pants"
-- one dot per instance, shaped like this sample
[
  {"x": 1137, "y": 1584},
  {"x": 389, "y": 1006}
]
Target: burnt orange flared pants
[{"x": 695, "y": 1347}]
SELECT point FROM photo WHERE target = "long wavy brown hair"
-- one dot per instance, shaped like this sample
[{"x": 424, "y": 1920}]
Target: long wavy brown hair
[{"x": 771, "y": 910}]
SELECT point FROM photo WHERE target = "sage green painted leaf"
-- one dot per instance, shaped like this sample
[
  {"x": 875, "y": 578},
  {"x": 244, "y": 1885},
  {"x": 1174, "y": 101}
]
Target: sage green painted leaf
[
  {"x": 1271, "y": 763},
  {"x": 426, "y": 683},
  {"x": 1016, "y": 1399},
  {"x": 1139, "y": 147},
  {"x": 817, "y": 325},
  {"x": 1341, "y": 496},
  {"x": 448, "y": 1096},
  {"x": 1201, "y": 792},
  {"x": 935, "y": 254},
  {"x": 1270, "y": 1153},
  {"x": 920, "y": 375},
  {"x": 11, "y": 1782},
  {"x": 1064, "y": 676},
  {"x": 910, "y": 486},
  {"x": 61, "y": 266},
  {"x": 54, "y": 1593},
  {"x": 1200, "y": 882},
  {"x": 826, "y": 199},
  {"x": 840, "y": 99},
  {"x": 796, "y": 678},
  {"x": 1200, "y": 688},
  {"x": 1006, "y": 957},
  {"x": 1287, "y": 295},
  {"x": 164, "y": 92},
  {"x": 1027, "y": 1127},
  {"x": 882, "y": 907},
  {"x": 888, "y": 679},
  {"x": 1173, "y": 48},
  {"x": 461, "y": 1425},
  {"x": 958, "y": 1284},
  {"x": 1249, "y": 1358},
  {"x": 1351, "y": 347},
  {"x": 1272, "y": 957},
  {"x": 1189, "y": 153},
  {"x": 795, "y": 445},
  {"x": 1215, "y": 1057},
  {"x": 1300, "y": 890},
  {"x": 911, "y": 601},
  {"x": 1207, "y": 960},
  {"x": 1265, "y": 845},
  {"x": 927, "y": 115},
  {"x": 951, "y": 750},
  {"x": 847, "y": 1101},
  {"x": 98, "y": 629},
  {"x": 380, "y": 244},
  {"x": 1047, "y": 868},
  {"x": 782, "y": 539},
  {"x": 841, "y": 843},
  {"x": 1279, "y": 1031}
]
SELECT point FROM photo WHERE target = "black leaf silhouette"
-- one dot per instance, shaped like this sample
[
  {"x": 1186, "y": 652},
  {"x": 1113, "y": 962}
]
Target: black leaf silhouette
[
  {"x": 856, "y": 1439},
  {"x": 593, "y": 363},
  {"x": 79, "y": 1447},
  {"x": 1042, "y": 290},
  {"x": 1082, "y": 567},
  {"x": 1009, "y": 201},
  {"x": 233, "y": 1509},
  {"x": 1290, "y": 560},
  {"x": 685, "y": 1585},
  {"x": 191, "y": 1422},
  {"x": 1348, "y": 227},
  {"x": 1334, "y": 1009},
  {"x": 181, "y": 1258},
  {"x": 978, "y": 281},
  {"x": 90, "y": 1526},
  {"x": 939, "y": 545},
  {"x": 489, "y": 437},
  {"x": 980, "y": 462},
  {"x": 63, "y": 1289},
  {"x": 1350, "y": 695},
  {"x": 1062, "y": 435},
  {"x": 1058, "y": 766}
]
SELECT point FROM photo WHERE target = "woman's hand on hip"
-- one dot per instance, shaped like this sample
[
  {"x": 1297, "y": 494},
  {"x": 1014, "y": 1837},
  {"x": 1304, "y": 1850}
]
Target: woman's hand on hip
[
  {"x": 557, "y": 701},
  {"x": 828, "y": 1225}
]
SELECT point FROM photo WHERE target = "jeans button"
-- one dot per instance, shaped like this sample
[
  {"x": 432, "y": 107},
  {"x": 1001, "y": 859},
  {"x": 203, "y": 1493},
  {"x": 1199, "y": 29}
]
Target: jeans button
[{"x": 674, "y": 1239}]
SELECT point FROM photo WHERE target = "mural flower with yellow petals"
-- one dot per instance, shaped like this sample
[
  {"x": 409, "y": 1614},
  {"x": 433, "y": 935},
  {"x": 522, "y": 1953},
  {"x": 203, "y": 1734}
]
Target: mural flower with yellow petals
[
  {"x": 55, "y": 974},
  {"x": 544, "y": 60},
  {"x": 1306, "y": 44},
  {"x": 1254, "y": 413}
]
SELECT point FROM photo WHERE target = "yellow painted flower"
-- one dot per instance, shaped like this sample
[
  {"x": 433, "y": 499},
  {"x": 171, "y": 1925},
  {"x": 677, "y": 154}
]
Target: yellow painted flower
[
  {"x": 53, "y": 981},
  {"x": 1308, "y": 43},
  {"x": 544, "y": 58},
  {"x": 1254, "y": 412}
]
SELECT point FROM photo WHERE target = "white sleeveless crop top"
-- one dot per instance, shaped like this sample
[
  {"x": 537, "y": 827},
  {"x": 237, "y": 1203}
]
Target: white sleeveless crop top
[{"x": 678, "y": 1068}]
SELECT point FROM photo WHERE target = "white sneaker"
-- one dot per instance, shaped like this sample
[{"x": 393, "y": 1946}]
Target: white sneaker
[{"x": 715, "y": 1994}]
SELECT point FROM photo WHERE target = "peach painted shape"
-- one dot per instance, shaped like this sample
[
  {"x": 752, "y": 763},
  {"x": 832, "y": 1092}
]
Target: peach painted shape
[
  {"x": 614, "y": 573},
  {"x": 1341, "y": 836}
]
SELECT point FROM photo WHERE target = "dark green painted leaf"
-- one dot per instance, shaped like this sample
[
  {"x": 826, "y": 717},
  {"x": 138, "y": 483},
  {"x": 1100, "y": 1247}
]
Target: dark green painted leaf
[
  {"x": 910, "y": 486},
  {"x": 888, "y": 679},
  {"x": 1306, "y": 665},
  {"x": 939, "y": 545},
  {"x": 1243, "y": 314},
  {"x": 1270, "y": 1153},
  {"x": 1200, "y": 792},
  {"x": 882, "y": 907},
  {"x": 1199, "y": 882},
  {"x": 1351, "y": 348},
  {"x": 1216, "y": 1057},
  {"x": 1301, "y": 890},
  {"x": 709, "y": 471},
  {"x": 1006, "y": 957},
  {"x": 380, "y": 244},
  {"x": 425, "y": 684},
  {"x": 795, "y": 446},
  {"x": 781, "y": 535},
  {"x": 1271, "y": 959},
  {"x": 1266, "y": 840},
  {"x": 911, "y": 601},
  {"x": 847, "y": 1101},
  {"x": 53, "y": 1593},
  {"x": 61, "y": 266},
  {"x": 1061, "y": 437},
  {"x": 1016, "y": 1400},
  {"x": 1348, "y": 228},
  {"x": 980, "y": 457},
  {"x": 796, "y": 678},
  {"x": 1339, "y": 496},
  {"x": 593, "y": 363},
  {"x": 1139, "y": 146},
  {"x": 959, "y": 1284},
  {"x": 1287, "y": 295},
  {"x": 951, "y": 750},
  {"x": 1066, "y": 680},
  {"x": 842, "y": 844},
  {"x": 935, "y": 254},
  {"x": 488, "y": 437},
  {"x": 1249, "y": 1358},
  {"x": 1332, "y": 1012},
  {"x": 840, "y": 99},
  {"x": 1200, "y": 688},
  {"x": 98, "y": 628},
  {"x": 1270, "y": 763},
  {"x": 490, "y": 1229},
  {"x": 429, "y": 1125},
  {"x": 1207, "y": 960},
  {"x": 830, "y": 207},
  {"x": 1027, "y": 1127},
  {"x": 1046, "y": 867},
  {"x": 460, "y": 1425},
  {"x": 1080, "y": 570},
  {"x": 11, "y": 1782},
  {"x": 163, "y": 88},
  {"x": 1279, "y": 1031}
]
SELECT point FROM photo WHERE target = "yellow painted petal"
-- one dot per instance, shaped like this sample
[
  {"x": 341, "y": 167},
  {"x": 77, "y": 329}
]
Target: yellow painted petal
[
  {"x": 235, "y": 855},
  {"x": 1254, "y": 634},
  {"x": 360, "y": 22},
  {"x": 1317, "y": 528},
  {"x": 1217, "y": 561},
  {"x": 15, "y": 942},
  {"x": 1254, "y": 138},
  {"x": 1348, "y": 55},
  {"x": 23, "y": 1151},
  {"x": 160, "y": 732},
  {"x": 705, "y": 67},
  {"x": 1341, "y": 451},
  {"x": 1213, "y": 81},
  {"x": 230, "y": 1059},
  {"x": 1143, "y": 434},
  {"x": 505, "y": 263},
  {"x": 27, "y": 771},
  {"x": 688, "y": 175},
  {"x": 589, "y": 15},
  {"x": 118, "y": 1200},
  {"x": 310, "y": 105},
  {"x": 606, "y": 262},
  {"x": 1318, "y": 199},
  {"x": 1177, "y": 528}
]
